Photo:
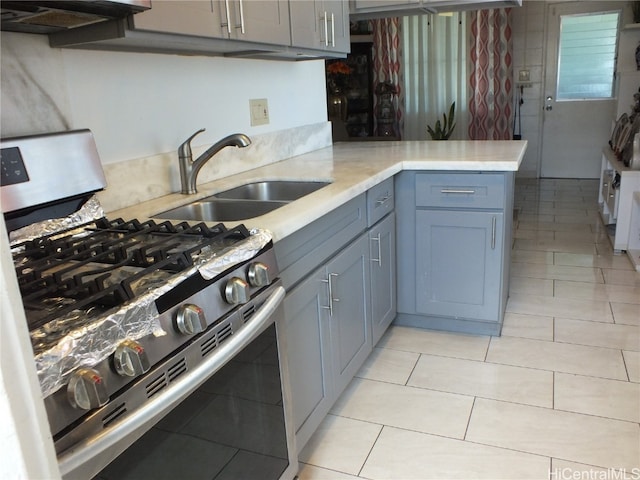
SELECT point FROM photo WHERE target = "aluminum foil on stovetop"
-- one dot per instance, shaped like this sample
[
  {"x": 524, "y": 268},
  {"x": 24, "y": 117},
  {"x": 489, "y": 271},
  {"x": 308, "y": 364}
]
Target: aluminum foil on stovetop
[
  {"x": 91, "y": 210},
  {"x": 98, "y": 336},
  {"x": 211, "y": 263}
]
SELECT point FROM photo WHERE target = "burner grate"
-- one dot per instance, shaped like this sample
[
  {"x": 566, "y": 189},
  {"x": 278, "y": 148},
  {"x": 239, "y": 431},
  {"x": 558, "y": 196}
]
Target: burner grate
[{"x": 108, "y": 262}]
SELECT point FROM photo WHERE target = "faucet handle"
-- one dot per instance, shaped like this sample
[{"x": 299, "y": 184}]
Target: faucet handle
[{"x": 184, "y": 150}]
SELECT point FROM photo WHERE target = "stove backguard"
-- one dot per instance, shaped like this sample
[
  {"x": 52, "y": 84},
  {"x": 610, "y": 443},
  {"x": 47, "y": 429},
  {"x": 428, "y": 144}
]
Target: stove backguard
[{"x": 47, "y": 176}]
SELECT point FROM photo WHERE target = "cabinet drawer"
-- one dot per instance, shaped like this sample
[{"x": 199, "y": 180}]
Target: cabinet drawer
[
  {"x": 460, "y": 190},
  {"x": 380, "y": 201}
]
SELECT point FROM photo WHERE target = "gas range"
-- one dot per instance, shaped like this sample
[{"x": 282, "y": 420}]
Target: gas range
[
  {"x": 125, "y": 294},
  {"x": 118, "y": 310}
]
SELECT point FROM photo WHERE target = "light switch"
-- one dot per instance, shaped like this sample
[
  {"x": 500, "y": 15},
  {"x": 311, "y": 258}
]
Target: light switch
[{"x": 259, "y": 111}]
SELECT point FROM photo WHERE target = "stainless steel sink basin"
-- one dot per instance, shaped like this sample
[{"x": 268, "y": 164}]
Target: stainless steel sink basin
[
  {"x": 246, "y": 201},
  {"x": 281, "y": 190},
  {"x": 220, "y": 210}
]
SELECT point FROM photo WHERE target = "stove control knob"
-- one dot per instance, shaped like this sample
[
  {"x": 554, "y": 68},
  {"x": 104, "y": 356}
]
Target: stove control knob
[
  {"x": 190, "y": 319},
  {"x": 236, "y": 291},
  {"x": 130, "y": 359},
  {"x": 258, "y": 274},
  {"x": 86, "y": 390}
]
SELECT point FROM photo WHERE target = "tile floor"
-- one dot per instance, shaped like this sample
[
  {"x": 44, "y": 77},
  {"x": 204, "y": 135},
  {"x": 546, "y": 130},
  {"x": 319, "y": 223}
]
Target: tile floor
[{"x": 556, "y": 397}]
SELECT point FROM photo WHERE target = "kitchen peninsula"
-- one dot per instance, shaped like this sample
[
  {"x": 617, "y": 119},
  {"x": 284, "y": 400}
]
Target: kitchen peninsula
[{"x": 413, "y": 232}]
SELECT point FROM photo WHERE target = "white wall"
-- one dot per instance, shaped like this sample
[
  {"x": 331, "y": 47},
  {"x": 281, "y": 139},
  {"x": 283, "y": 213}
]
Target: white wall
[
  {"x": 528, "y": 54},
  {"x": 138, "y": 105}
]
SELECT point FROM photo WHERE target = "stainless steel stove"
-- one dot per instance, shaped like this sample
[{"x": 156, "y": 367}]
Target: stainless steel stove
[{"x": 136, "y": 323}]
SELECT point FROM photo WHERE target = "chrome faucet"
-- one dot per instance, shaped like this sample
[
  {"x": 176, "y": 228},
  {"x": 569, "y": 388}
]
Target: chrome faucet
[{"x": 189, "y": 168}]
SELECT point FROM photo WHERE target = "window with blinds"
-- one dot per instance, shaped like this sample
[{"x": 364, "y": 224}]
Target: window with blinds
[{"x": 587, "y": 56}]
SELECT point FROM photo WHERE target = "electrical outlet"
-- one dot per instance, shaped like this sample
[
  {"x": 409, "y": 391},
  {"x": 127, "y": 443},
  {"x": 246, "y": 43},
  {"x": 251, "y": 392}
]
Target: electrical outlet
[{"x": 259, "y": 111}]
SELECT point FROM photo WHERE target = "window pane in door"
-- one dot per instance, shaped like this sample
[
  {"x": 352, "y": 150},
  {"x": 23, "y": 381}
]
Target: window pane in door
[{"x": 587, "y": 56}]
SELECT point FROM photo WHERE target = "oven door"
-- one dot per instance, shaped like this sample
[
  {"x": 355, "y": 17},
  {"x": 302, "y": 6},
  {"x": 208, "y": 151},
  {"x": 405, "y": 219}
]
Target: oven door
[{"x": 229, "y": 418}]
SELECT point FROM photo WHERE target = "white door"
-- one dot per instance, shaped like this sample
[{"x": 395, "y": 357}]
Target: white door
[{"x": 577, "y": 120}]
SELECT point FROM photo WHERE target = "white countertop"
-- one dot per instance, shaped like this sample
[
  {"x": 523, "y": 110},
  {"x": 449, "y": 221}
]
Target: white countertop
[{"x": 353, "y": 168}]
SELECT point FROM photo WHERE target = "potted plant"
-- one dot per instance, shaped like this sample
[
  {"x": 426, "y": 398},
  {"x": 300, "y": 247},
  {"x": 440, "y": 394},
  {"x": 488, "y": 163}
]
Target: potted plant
[{"x": 442, "y": 131}]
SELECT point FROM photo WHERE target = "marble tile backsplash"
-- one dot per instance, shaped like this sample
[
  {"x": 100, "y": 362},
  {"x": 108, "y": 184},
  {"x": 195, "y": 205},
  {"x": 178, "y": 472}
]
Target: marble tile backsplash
[{"x": 135, "y": 181}]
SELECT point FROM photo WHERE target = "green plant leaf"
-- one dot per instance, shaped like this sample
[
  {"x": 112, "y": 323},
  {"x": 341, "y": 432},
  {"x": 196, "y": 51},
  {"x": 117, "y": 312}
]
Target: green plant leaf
[
  {"x": 452, "y": 112},
  {"x": 442, "y": 131}
]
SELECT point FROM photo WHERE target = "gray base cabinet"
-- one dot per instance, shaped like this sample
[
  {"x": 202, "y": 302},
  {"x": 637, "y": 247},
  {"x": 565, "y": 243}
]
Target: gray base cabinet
[
  {"x": 308, "y": 354},
  {"x": 349, "y": 317},
  {"x": 337, "y": 313},
  {"x": 458, "y": 263},
  {"x": 382, "y": 244},
  {"x": 454, "y": 243},
  {"x": 328, "y": 334}
]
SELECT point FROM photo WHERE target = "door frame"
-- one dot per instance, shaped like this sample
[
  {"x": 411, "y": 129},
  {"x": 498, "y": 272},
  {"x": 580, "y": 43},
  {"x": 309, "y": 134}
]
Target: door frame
[{"x": 591, "y": 6}]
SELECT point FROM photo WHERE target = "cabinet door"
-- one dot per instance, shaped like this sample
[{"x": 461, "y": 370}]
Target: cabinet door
[
  {"x": 306, "y": 23},
  {"x": 337, "y": 12},
  {"x": 307, "y": 345},
  {"x": 382, "y": 244},
  {"x": 256, "y": 20},
  {"x": 320, "y": 25},
  {"x": 458, "y": 263},
  {"x": 348, "y": 284},
  {"x": 182, "y": 17}
]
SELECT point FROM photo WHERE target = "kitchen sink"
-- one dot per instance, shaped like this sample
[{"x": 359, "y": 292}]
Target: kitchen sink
[
  {"x": 280, "y": 190},
  {"x": 246, "y": 201},
  {"x": 221, "y": 210}
]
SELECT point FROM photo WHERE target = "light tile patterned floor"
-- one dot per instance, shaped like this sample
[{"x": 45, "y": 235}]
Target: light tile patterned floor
[{"x": 556, "y": 396}]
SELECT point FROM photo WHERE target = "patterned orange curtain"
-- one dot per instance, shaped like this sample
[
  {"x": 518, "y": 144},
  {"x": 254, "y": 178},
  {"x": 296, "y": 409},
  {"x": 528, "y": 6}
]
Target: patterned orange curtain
[
  {"x": 387, "y": 72},
  {"x": 491, "y": 75}
]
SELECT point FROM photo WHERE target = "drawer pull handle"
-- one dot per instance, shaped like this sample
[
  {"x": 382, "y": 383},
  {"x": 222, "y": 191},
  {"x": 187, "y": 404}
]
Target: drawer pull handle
[
  {"x": 228, "y": 24},
  {"x": 326, "y": 29},
  {"x": 379, "y": 259},
  {"x": 457, "y": 191},
  {"x": 330, "y": 288},
  {"x": 241, "y": 26},
  {"x": 333, "y": 30},
  {"x": 493, "y": 233},
  {"x": 383, "y": 200}
]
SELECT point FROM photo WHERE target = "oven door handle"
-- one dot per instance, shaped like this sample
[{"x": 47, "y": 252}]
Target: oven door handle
[{"x": 134, "y": 426}]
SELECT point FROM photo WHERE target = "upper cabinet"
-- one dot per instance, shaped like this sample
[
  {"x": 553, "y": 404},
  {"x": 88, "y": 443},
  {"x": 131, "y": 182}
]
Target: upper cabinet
[
  {"x": 321, "y": 25},
  {"x": 364, "y": 9},
  {"x": 361, "y": 9},
  {"x": 243, "y": 28},
  {"x": 438, "y": 6},
  {"x": 255, "y": 20},
  {"x": 252, "y": 20},
  {"x": 181, "y": 17}
]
